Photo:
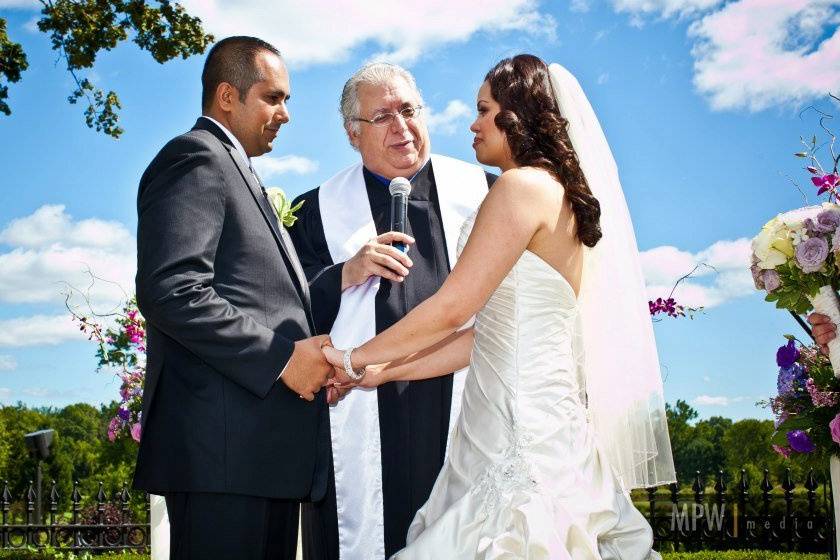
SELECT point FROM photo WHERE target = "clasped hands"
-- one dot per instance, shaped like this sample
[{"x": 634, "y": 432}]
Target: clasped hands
[
  {"x": 315, "y": 365},
  {"x": 341, "y": 383}
]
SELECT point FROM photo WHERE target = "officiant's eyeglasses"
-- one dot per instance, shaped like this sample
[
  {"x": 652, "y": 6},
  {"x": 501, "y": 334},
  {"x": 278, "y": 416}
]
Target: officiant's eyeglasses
[{"x": 387, "y": 119}]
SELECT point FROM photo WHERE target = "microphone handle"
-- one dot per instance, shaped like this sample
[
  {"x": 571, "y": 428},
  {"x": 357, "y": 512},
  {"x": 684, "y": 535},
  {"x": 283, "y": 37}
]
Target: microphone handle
[{"x": 399, "y": 216}]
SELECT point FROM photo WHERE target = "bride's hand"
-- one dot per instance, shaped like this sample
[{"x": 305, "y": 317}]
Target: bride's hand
[
  {"x": 336, "y": 358},
  {"x": 373, "y": 376}
]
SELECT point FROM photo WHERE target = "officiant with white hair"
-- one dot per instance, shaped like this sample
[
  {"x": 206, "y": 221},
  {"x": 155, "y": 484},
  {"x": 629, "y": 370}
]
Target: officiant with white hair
[{"x": 388, "y": 443}]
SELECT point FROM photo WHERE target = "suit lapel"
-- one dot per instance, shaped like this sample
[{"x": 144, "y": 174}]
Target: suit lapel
[
  {"x": 270, "y": 216},
  {"x": 287, "y": 249}
]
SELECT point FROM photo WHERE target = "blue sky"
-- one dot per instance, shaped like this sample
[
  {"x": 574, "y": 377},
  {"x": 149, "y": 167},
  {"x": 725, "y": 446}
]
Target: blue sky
[{"x": 700, "y": 100}]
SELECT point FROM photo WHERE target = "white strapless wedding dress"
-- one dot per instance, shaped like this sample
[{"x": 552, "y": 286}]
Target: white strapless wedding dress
[{"x": 524, "y": 478}]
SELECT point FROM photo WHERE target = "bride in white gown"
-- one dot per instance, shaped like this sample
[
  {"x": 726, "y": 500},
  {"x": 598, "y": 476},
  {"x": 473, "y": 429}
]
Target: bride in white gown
[{"x": 547, "y": 444}]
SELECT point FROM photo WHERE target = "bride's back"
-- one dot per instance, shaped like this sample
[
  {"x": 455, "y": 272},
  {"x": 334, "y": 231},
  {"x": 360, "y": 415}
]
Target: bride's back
[{"x": 556, "y": 241}]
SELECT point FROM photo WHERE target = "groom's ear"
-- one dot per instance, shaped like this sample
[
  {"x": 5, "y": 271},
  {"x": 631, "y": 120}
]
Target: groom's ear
[{"x": 226, "y": 96}]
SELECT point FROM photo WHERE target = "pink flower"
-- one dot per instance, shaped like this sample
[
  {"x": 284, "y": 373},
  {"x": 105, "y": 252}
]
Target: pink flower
[
  {"x": 783, "y": 451},
  {"x": 834, "y": 426},
  {"x": 826, "y": 182},
  {"x": 818, "y": 397},
  {"x": 135, "y": 432},
  {"x": 113, "y": 426}
]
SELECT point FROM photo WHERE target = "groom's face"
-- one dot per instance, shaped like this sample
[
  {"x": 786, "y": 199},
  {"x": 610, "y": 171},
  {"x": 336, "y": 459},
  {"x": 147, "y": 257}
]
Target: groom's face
[
  {"x": 397, "y": 150},
  {"x": 256, "y": 121}
]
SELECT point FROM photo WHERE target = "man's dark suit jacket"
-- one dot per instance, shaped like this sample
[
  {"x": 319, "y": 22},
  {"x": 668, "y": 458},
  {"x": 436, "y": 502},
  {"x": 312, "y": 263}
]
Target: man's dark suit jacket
[{"x": 224, "y": 298}]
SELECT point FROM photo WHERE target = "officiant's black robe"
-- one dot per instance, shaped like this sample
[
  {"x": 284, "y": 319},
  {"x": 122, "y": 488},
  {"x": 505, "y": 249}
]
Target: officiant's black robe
[{"x": 413, "y": 416}]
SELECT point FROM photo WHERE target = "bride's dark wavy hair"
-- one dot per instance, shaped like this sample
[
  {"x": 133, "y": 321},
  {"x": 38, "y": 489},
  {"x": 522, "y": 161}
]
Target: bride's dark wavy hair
[{"x": 538, "y": 137}]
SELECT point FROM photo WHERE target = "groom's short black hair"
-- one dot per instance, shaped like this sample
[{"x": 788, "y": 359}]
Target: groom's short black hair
[{"x": 232, "y": 60}]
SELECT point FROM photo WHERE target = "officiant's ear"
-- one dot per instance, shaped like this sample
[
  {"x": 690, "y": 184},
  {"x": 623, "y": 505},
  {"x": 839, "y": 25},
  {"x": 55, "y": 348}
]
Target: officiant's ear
[{"x": 352, "y": 135}]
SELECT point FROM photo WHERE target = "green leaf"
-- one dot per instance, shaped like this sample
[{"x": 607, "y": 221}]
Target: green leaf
[
  {"x": 80, "y": 29},
  {"x": 12, "y": 63}
]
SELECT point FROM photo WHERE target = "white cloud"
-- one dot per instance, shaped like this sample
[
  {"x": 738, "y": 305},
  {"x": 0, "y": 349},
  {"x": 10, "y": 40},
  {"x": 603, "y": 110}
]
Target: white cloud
[
  {"x": 325, "y": 31},
  {"x": 38, "y": 330},
  {"x": 32, "y": 24},
  {"x": 7, "y": 363},
  {"x": 709, "y": 400},
  {"x": 50, "y": 224},
  {"x": 758, "y": 53},
  {"x": 50, "y": 249},
  {"x": 665, "y": 8},
  {"x": 603, "y": 78},
  {"x": 269, "y": 167},
  {"x": 456, "y": 112},
  {"x": 579, "y": 6},
  {"x": 731, "y": 279},
  {"x": 5, "y": 393}
]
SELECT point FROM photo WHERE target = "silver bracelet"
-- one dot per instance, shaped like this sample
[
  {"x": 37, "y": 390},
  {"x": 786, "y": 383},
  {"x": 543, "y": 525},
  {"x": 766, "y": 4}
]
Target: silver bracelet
[{"x": 348, "y": 367}]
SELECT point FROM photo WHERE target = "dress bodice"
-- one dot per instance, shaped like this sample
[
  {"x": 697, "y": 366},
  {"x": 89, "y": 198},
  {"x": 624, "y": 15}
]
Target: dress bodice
[{"x": 523, "y": 476}]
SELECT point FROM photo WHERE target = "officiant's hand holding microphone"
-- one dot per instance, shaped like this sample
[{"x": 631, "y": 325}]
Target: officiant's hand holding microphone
[
  {"x": 378, "y": 257},
  {"x": 385, "y": 255}
]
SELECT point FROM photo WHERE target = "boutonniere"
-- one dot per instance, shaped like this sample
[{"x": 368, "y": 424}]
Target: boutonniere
[{"x": 283, "y": 206}]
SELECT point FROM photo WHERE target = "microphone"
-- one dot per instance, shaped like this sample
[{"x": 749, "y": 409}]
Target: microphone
[{"x": 399, "y": 189}]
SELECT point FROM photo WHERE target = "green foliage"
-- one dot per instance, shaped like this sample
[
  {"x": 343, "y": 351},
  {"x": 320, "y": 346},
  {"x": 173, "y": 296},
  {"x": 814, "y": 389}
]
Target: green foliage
[
  {"x": 741, "y": 555},
  {"x": 719, "y": 444},
  {"x": 798, "y": 286},
  {"x": 46, "y": 554},
  {"x": 80, "y": 452},
  {"x": 12, "y": 63},
  {"x": 80, "y": 29}
]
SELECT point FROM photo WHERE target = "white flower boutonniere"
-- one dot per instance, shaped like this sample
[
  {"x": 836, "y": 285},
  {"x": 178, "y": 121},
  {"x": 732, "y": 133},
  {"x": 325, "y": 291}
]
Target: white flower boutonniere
[{"x": 283, "y": 206}]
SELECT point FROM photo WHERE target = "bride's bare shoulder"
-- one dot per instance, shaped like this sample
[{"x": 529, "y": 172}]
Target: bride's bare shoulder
[{"x": 529, "y": 184}]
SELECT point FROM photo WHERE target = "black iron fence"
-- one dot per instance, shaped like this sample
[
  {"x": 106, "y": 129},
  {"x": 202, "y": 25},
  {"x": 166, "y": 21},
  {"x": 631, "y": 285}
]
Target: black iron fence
[
  {"x": 106, "y": 522},
  {"x": 783, "y": 516}
]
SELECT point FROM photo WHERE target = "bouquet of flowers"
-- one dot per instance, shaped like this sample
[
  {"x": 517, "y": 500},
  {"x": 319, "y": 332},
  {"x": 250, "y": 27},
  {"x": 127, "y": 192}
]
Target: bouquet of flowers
[
  {"x": 121, "y": 347},
  {"x": 807, "y": 406},
  {"x": 795, "y": 255}
]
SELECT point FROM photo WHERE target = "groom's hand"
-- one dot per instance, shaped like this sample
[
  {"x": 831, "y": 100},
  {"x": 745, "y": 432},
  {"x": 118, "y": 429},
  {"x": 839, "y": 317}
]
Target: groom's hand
[
  {"x": 378, "y": 258},
  {"x": 307, "y": 370}
]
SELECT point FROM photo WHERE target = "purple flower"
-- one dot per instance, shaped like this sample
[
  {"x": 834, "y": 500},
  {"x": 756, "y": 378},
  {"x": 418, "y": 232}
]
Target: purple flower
[
  {"x": 136, "y": 429},
  {"x": 800, "y": 442},
  {"x": 787, "y": 355},
  {"x": 124, "y": 414},
  {"x": 790, "y": 379},
  {"x": 771, "y": 280},
  {"x": 834, "y": 426},
  {"x": 778, "y": 421},
  {"x": 811, "y": 254},
  {"x": 758, "y": 279},
  {"x": 827, "y": 221}
]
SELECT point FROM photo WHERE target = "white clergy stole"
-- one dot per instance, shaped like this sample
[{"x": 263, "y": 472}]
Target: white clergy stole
[{"x": 354, "y": 422}]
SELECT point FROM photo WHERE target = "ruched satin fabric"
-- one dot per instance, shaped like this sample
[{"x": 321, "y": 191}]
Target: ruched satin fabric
[{"x": 524, "y": 478}]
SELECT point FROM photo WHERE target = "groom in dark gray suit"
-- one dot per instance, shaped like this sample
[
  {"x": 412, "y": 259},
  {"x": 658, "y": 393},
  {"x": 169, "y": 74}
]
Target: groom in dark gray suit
[{"x": 235, "y": 424}]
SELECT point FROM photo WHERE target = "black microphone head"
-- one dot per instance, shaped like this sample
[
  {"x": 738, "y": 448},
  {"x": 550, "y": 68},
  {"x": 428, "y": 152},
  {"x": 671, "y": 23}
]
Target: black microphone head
[{"x": 399, "y": 185}]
